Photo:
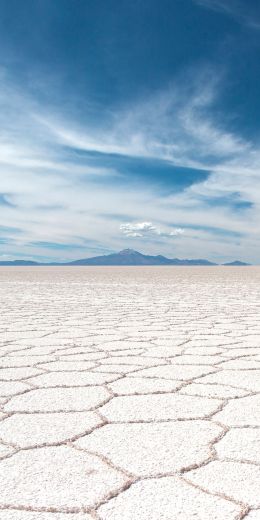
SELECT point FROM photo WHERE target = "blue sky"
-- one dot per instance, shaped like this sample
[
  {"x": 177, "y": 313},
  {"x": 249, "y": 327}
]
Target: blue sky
[{"x": 130, "y": 124}]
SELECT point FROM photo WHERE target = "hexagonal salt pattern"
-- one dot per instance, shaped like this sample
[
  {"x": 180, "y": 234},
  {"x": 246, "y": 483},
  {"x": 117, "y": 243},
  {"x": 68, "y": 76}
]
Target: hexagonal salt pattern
[
  {"x": 29, "y": 430},
  {"x": 129, "y": 394},
  {"x": 58, "y": 400},
  {"x": 166, "y": 499},
  {"x": 150, "y": 449},
  {"x": 15, "y": 514},
  {"x": 58, "y": 477},
  {"x": 241, "y": 444},
  {"x": 161, "y": 407},
  {"x": 143, "y": 385},
  {"x": 242, "y": 412},
  {"x": 237, "y": 481}
]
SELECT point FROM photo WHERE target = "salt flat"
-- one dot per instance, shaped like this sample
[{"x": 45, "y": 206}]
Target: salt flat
[{"x": 130, "y": 393}]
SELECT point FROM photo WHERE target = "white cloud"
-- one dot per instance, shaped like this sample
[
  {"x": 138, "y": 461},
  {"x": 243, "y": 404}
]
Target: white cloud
[
  {"x": 144, "y": 229},
  {"x": 137, "y": 230},
  {"x": 177, "y": 231}
]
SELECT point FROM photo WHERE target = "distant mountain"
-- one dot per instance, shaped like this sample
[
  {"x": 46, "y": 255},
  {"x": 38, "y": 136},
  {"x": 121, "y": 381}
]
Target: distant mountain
[
  {"x": 131, "y": 257},
  {"x": 236, "y": 263},
  {"x": 19, "y": 262},
  {"x": 125, "y": 257}
]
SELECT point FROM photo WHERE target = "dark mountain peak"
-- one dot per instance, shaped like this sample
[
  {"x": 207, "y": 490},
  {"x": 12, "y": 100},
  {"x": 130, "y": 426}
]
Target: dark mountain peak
[
  {"x": 19, "y": 263},
  {"x": 236, "y": 263},
  {"x": 129, "y": 252},
  {"x": 131, "y": 257}
]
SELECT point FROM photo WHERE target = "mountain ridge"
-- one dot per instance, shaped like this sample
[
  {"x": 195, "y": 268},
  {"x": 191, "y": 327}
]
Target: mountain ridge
[
  {"x": 132, "y": 257},
  {"x": 127, "y": 257},
  {"x": 236, "y": 263}
]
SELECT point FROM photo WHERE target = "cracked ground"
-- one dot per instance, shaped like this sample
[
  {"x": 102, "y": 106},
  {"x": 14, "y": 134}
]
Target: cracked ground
[{"x": 130, "y": 393}]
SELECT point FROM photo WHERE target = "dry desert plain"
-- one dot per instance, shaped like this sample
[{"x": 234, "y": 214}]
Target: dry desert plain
[{"x": 130, "y": 393}]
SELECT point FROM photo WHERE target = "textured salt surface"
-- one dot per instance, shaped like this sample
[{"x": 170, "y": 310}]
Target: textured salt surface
[{"x": 129, "y": 393}]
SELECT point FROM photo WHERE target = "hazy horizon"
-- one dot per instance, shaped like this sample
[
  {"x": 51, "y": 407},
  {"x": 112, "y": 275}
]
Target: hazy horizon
[{"x": 129, "y": 253}]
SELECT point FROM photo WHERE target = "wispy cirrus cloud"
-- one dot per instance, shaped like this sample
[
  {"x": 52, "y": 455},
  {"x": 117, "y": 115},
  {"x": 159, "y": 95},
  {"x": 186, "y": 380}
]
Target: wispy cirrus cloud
[
  {"x": 244, "y": 12},
  {"x": 174, "y": 125}
]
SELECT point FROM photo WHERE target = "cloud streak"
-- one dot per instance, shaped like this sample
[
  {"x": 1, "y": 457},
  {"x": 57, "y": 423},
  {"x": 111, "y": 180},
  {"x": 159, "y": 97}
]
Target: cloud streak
[
  {"x": 240, "y": 11},
  {"x": 58, "y": 193}
]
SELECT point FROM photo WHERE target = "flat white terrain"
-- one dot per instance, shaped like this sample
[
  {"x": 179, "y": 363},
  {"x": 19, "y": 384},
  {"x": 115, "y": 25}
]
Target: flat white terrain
[{"x": 130, "y": 393}]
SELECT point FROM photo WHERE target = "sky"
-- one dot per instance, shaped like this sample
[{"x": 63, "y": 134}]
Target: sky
[{"x": 130, "y": 124}]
